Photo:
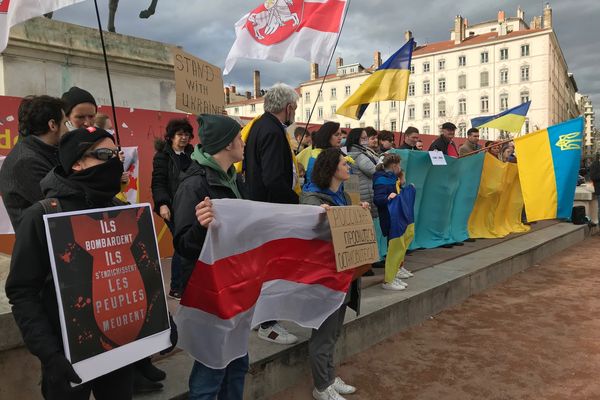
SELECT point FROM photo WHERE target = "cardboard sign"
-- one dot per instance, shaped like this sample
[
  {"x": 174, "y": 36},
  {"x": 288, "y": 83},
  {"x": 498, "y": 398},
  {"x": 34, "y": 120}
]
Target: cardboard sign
[
  {"x": 109, "y": 286},
  {"x": 198, "y": 85},
  {"x": 354, "y": 240},
  {"x": 352, "y": 187},
  {"x": 437, "y": 158},
  {"x": 5, "y": 224}
]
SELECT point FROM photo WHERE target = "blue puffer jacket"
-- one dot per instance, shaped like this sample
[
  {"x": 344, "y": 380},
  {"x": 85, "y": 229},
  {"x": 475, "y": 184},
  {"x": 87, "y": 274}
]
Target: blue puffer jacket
[{"x": 384, "y": 183}]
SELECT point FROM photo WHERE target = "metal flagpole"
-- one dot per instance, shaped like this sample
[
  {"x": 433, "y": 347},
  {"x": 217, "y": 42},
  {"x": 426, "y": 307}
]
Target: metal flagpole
[{"x": 110, "y": 90}]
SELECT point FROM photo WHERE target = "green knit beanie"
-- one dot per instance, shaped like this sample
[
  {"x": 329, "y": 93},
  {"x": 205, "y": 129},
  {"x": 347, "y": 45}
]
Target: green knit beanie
[{"x": 216, "y": 132}]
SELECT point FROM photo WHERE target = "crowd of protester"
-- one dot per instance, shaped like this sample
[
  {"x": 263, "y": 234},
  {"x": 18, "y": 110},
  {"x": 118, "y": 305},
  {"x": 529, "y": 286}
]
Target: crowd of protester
[{"x": 67, "y": 153}]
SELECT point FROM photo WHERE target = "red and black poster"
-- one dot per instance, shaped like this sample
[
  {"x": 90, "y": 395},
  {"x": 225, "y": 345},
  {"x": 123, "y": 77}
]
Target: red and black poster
[{"x": 109, "y": 285}]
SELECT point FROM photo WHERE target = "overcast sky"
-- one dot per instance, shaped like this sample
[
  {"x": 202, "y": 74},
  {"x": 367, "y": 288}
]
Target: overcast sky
[{"x": 206, "y": 29}]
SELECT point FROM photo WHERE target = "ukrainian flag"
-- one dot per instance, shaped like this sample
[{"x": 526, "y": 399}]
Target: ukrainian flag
[
  {"x": 388, "y": 82},
  {"x": 510, "y": 120},
  {"x": 402, "y": 230},
  {"x": 548, "y": 169}
]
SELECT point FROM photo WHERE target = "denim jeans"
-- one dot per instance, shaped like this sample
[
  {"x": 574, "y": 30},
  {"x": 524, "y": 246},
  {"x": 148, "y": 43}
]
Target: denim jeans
[{"x": 224, "y": 384}]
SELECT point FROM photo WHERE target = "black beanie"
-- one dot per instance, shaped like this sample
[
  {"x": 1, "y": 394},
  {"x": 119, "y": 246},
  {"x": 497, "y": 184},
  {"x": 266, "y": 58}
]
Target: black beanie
[
  {"x": 76, "y": 96},
  {"x": 216, "y": 132},
  {"x": 74, "y": 144}
]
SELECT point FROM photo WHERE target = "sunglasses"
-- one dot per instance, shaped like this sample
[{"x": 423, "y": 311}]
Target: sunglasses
[{"x": 103, "y": 154}]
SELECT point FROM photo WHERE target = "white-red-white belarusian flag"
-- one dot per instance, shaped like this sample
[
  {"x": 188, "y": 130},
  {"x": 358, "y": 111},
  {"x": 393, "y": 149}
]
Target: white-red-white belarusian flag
[
  {"x": 279, "y": 29},
  {"x": 13, "y": 12},
  {"x": 260, "y": 262}
]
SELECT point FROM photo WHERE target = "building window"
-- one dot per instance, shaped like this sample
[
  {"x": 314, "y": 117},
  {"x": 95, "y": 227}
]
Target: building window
[
  {"x": 236, "y": 110},
  {"x": 347, "y": 90},
  {"x": 441, "y": 64},
  {"x": 462, "y": 106},
  {"x": 393, "y": 125},
  {"x": 411, "y": 89},
  {"x": 351, "y": 70},
  {"x": 484, "y": 79},
  {"x": 362, "y": 124},
  {"x": 462, "y": 61},
  {"x": 426, "y": 110},
  {"x": 411, "y": 112},
  {"x": 524, "y": 96},
  {"x": 425, "y": 67},
  {"x": 462, "y": 81},
  {"x": 484, "y": 57},
  {"x": 307, "y": 97},
  {"x": 525, "y": 73},
  {"x": 441, "y": 108},
  {"x": 307, "y": 114},
  {"x": 320, "y": 96},
  {"x": 526, "y": 125},
  {"x": 504, "y": 54},
  {"x": 503, "y": 102},
  {"x": 524, "y": 50},
  {"x": 252, "y": 107},
  {"x": 347, "y": 126},
  {"x": 333, "y": 93},
  {"x": 504, "y": 75},
  {"x": 485, "y": 104},
  {"x": 442, "y": 85},
  {"x": 320, "y": 112},
  {"x": 462, "y": 129},
  {"x": 333, "y": 110},
  {"x": 393, "y": 104},
  {"x": 412, "y": 69},
  {"x": 426, "y": 87},
  {"x": 426, "y": 130}
]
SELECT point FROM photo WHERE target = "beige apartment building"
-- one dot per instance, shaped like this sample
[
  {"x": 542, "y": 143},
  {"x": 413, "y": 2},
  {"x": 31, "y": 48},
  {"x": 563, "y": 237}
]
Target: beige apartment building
[{"x": 483, "y": 69}]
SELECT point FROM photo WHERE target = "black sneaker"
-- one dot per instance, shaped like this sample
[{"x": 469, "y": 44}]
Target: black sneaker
[
  {"x": 141, "y": 384},
  {"x": 149, "y": 370},
  {"x": 175, "y": 294}
]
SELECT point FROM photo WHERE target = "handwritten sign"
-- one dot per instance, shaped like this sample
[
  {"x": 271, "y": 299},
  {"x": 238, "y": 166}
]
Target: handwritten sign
[
  {"x": 198, "y": 85},
  {"x": 354, "y": 240},
  {"x": 437, "y": 158}
]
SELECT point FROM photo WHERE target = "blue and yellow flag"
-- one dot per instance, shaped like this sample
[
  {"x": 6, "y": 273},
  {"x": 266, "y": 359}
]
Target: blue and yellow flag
[
  {"x": 402, "y": 229},
  {"x": 388, "y": 82},
  {"x": 510, "y": 120},
  {"x": 548, "y": 169}
]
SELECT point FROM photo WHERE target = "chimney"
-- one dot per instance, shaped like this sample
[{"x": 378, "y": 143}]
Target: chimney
[
  {"x": 536, "y": 23},
  {"x": 407, "y": 36},
  {"x": 233, "y": 89},
  {"x": 377, "y": 59},
  {"x": 227, "y": 96},
  {"x": 547, "y": 17},
  {"x": 459, "y": 29},
  {"x": 520, "y": 13},
  {"x": 501, "y": 16},
  {"x": 339, "y": 62},
  {"x": 256, "y": 84},
  {"x": 248, "y": 95},
  {"x": 314, "y": 71}
]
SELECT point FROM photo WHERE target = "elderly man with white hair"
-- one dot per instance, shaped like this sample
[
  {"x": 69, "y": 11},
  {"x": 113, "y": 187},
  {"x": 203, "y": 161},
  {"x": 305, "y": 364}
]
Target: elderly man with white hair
[{"x": 270, "y": 173}]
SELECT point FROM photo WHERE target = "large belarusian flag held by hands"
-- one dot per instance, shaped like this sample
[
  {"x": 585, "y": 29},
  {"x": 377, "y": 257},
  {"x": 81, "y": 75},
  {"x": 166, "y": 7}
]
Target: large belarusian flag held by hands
[
  {"x": 260, "y": 262},
  {"x": 13, "y": 12},
  {"x": 280, "y": 29}
]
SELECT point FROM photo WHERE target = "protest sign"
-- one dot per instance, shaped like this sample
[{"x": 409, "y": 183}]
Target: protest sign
[
  {"x": 353, "y": 236},
  {"x": 198, "y": 85},
  {"x": 109, "y": 287},
  {"x": 437, "y": 158},
  {"x": 352, "y": 187},
  {"x": 130, "y": 190},
  {"x": 5, "y": 224}
]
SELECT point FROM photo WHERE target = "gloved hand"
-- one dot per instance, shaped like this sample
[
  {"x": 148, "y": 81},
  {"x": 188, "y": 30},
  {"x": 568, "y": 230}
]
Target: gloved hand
[
  {"x": 60, "y": 372},
  {"x": 174, "y": 336}
]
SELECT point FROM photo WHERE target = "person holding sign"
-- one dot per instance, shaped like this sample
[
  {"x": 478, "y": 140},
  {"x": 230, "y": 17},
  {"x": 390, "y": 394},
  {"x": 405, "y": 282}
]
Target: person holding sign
[
  {"x": 326, "y": 190},
  {"x": 444, "y": 143},
  {"x": 211, "y": 175},
  {"x": 89, "y": 176}
]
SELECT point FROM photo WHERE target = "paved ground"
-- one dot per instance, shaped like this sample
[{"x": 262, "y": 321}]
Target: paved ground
[{"x": 533, "y": 337}]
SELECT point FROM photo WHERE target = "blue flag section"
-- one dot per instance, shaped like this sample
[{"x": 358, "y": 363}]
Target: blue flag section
[
  {"x": 445, "y": 196},
  {"x": 402, "y": 229}
]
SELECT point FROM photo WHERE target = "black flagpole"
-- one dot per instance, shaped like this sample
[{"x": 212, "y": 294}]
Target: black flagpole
[
  {"x": 324, "y": 77},
  {"x": 110, "y": 90}
]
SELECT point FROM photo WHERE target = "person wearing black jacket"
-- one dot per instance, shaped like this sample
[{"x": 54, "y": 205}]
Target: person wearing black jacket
[
  {"x": 444, "y": 143},
  {"x": 270, "y": 173},
  {"x": 411, "y": 136},
  {"x": 41, "y": 124},
  {"x": 172, "y": 157},
  {"x": 210, "y": 176},
  {"x": 89, "y": 177}
]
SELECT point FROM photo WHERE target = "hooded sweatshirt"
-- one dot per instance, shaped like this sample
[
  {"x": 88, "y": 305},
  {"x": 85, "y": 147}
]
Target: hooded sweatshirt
[{"x": 228, "y": 179}]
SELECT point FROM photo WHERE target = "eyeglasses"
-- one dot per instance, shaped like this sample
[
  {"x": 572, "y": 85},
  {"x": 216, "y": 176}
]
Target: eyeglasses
[{"x": 103, "y": 154}]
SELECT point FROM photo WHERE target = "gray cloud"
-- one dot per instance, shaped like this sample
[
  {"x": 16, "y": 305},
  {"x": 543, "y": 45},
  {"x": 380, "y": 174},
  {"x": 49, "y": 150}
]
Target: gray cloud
[{"x": 206, "y": 29}]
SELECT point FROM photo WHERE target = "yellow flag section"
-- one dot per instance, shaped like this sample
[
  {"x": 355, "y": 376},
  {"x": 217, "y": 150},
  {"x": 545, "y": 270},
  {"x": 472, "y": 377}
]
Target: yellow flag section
[{"x": 499, "y": 204}]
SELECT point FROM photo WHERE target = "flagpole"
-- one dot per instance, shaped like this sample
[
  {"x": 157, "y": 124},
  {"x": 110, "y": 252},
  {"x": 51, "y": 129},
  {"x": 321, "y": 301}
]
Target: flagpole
[
  {"x": 110, "y": 90},
  {"x": 402, "y": 122},
  {"x": 486, "y": 148},
  {"x": 324, "y": 76}
]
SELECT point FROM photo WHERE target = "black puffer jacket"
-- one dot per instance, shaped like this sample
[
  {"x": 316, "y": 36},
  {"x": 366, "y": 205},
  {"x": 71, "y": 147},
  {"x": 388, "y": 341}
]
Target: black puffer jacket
[
  {"x": 196, "y": 183},
  {"x": 442, "y": 144},
  {"x": 165, "y": 174},
  {"x": 29, "y": 286},
  {"x": 26, "y": 165}
]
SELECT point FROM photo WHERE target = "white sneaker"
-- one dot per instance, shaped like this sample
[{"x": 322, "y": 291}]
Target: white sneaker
[
  {"x": 342, "y": 387},
  {"x": 407, "y": 272},
  {"x": 400, "y": 281},
  {"x": 402, "y": 274},
  {"x": 327, "y": 394},
  {"x": 277, "y": 334},
  {"x": 393, "y": 285}
]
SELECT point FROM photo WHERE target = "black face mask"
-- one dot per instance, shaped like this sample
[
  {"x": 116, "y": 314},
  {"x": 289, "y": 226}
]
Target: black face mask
[{"x": 101, "y": 182}]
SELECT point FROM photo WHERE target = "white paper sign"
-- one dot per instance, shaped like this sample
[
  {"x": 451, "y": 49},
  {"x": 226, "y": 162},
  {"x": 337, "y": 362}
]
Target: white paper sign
[
  {"x": 5, "y": 225},
  {"x": 437, "y": 158}
]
